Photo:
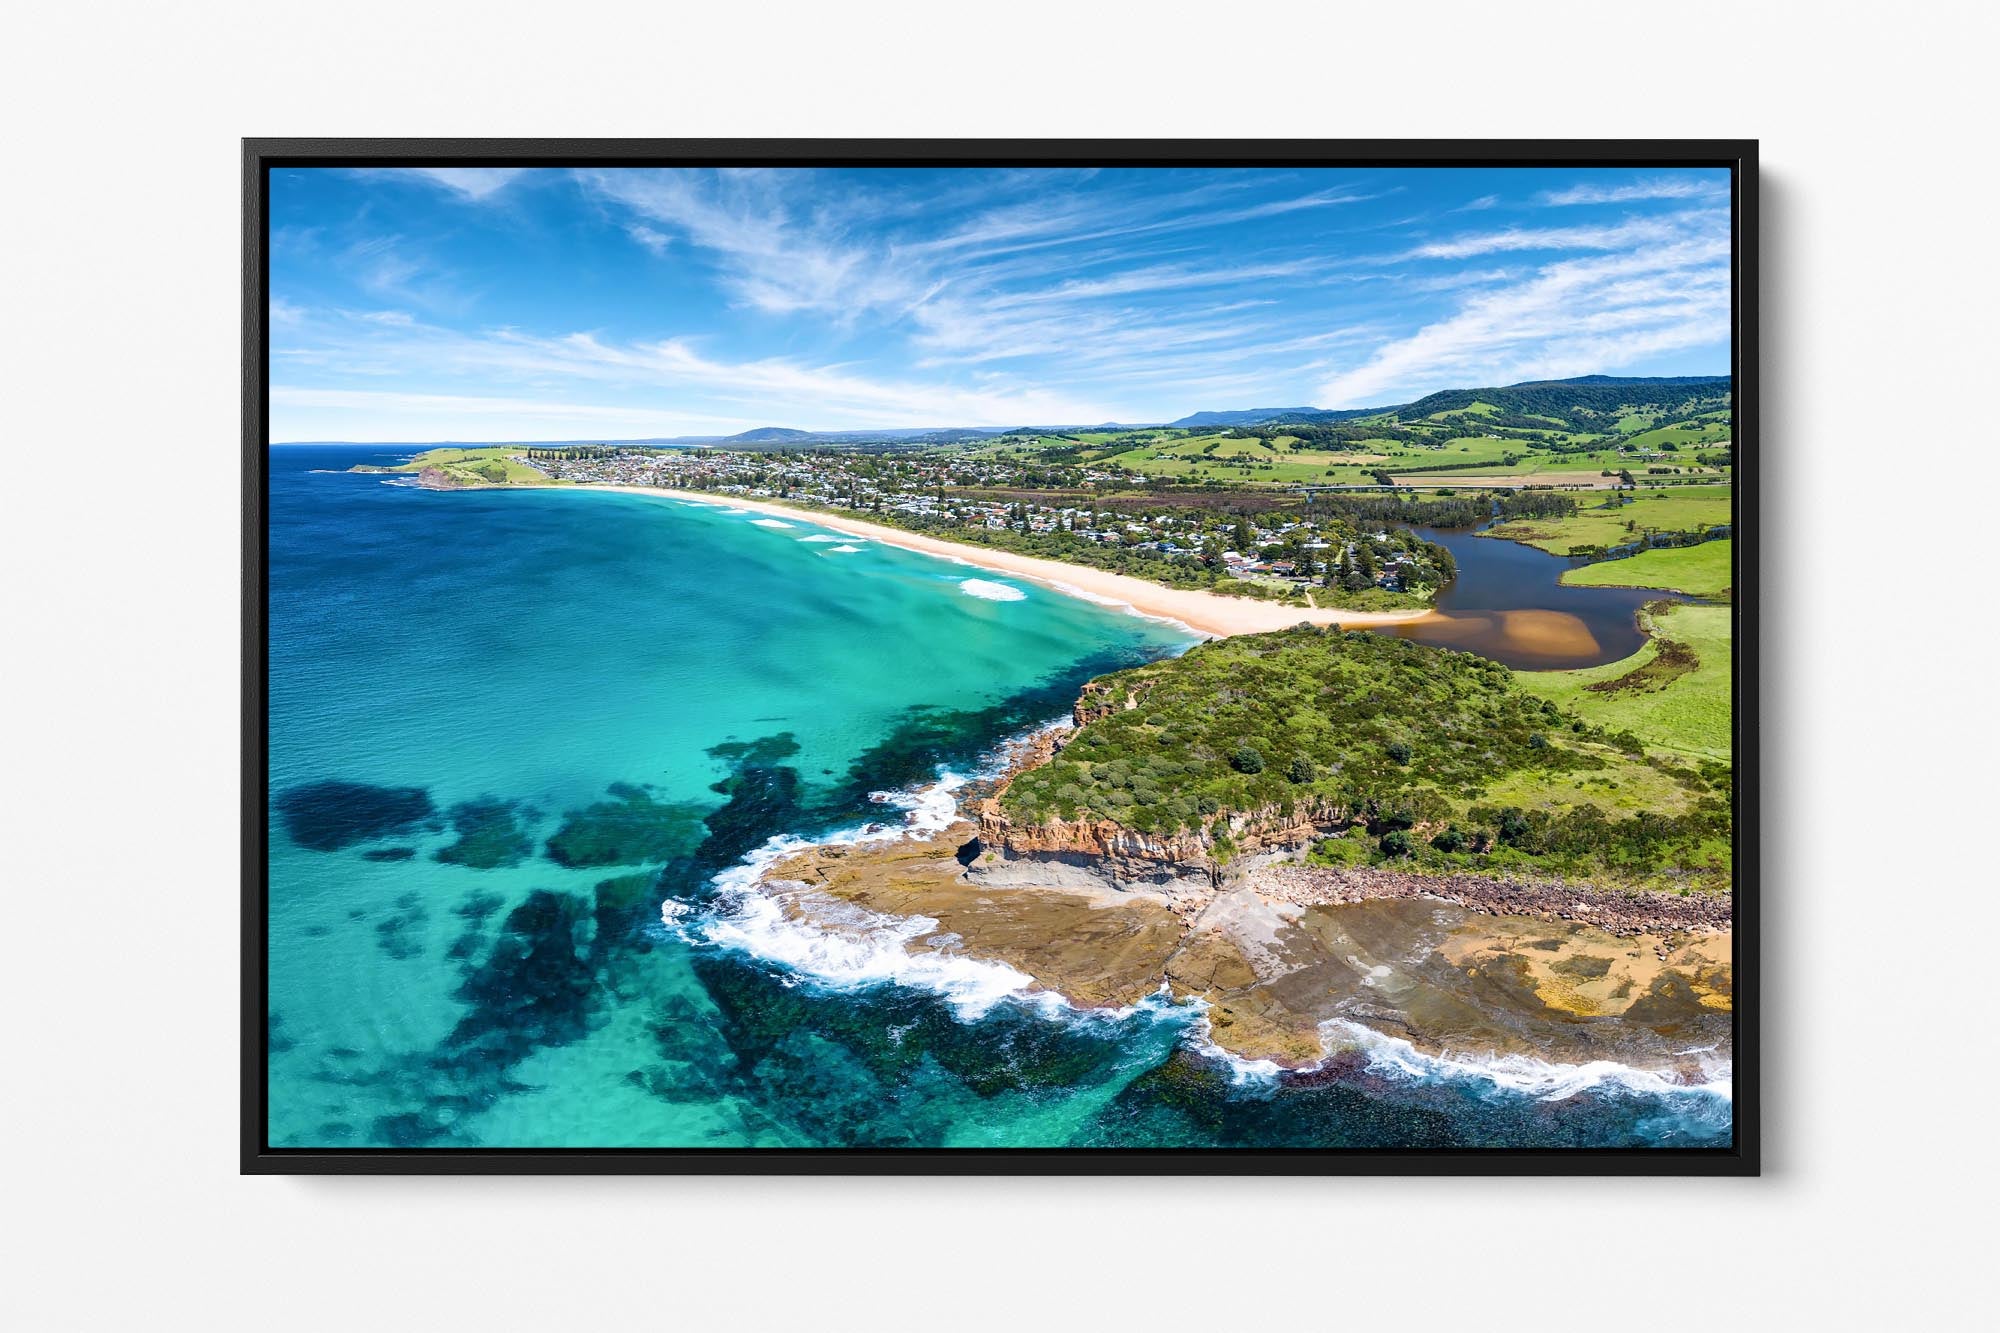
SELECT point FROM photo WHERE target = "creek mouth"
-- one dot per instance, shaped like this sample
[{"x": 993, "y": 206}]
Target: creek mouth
[{"x": 1509, "y": 603}]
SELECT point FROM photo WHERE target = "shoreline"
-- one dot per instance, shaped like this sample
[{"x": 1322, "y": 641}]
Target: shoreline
[
  {"x": 1446, "y": 975},
  {"x": 1211, "y": 615}
]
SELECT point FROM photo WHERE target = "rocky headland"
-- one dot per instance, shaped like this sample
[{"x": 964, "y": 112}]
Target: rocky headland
[{"x": 1287, "y": 955}]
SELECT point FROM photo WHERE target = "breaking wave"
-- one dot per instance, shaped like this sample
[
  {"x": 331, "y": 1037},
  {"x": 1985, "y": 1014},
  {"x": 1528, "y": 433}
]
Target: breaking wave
[{"x": 988, "y": 590}]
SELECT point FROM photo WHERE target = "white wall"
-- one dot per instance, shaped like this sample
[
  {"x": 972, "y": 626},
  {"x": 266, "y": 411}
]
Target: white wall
[{"x": 119, "y": 422}]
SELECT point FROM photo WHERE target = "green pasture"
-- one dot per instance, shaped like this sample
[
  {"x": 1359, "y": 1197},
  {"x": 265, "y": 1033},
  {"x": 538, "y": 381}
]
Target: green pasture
[
  {"x": 1698, "y": 571},
  {"x": 1673, "y": 694},
  {"x": 1624, "y": 516}
]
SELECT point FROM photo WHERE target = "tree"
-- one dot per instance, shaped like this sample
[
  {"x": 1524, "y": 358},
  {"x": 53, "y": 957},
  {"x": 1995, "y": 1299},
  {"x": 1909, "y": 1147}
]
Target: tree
[
  {"x": 1396, "y": 842},
  {"x": 1301, "y": 769},
  {"x": 1247, "y": 759}
]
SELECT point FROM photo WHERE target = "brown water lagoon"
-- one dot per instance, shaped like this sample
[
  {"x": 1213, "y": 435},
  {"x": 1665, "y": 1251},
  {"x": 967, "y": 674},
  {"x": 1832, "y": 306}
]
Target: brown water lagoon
[{"x": 1509, "y": 603}]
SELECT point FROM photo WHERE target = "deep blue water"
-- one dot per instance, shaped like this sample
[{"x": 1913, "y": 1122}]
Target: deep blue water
[{"x": 506, "y": 727}]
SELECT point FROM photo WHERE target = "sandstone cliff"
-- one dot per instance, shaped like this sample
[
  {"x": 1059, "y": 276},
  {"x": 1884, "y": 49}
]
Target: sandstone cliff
[{"x": 1186, "y": 865}]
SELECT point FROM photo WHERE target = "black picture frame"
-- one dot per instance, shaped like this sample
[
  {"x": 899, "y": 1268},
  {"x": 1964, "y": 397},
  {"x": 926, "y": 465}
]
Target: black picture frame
[{"x": 261, "y": 156}]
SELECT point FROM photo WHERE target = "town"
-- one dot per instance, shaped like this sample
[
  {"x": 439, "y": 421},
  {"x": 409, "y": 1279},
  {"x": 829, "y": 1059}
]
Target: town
[{"x": 1047, "y": 509}]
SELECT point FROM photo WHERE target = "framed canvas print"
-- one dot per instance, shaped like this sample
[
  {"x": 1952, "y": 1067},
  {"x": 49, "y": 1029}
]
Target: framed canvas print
[{"x": 998, "y": 657}]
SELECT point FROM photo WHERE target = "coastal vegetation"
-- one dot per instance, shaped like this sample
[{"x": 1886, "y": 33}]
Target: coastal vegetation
[{"x": 1400, "y": 753}]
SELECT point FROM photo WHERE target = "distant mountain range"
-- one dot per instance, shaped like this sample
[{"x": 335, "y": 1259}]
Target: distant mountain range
[
  {"x": 1558, "y": 399},
  {"x": 1596, "y": 392}
]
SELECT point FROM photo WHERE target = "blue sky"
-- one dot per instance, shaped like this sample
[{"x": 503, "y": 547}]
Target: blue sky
[{"x": 491, "y": 304}]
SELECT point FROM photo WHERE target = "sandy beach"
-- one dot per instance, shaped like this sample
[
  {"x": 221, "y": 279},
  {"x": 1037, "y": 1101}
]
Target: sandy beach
[{"x": 1205, "y": 613}]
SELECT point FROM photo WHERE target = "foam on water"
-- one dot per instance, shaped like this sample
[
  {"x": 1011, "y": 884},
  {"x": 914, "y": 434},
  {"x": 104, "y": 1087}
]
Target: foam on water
[
  {"x": 842, "y": 550},
  {"x": 1523, "y": 1075},
  {"x": 988, "y": 590},
  {"x": 771, "y": 523},
  {"x": 848, "y": 947},
  {"x": 823, "y": 537},
  {"x": 859, "y": 948},
  {"x": 1520, "y": 1075}
]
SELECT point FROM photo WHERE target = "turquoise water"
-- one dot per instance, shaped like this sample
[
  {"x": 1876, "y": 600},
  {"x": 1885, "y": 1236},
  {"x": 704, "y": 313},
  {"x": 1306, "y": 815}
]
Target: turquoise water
[{"x": 506, "y": 727}]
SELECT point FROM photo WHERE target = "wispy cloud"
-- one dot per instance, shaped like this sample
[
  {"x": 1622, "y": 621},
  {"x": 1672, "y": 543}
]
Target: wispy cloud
[
  {"x": 472, "y": 183},
  {"x": 1574, "y": 317},
  {"x": 656, "y": 242},
  {"x": 1618, "y": 236},
  {"x": 582, "y": 364},
  {"x": 1670, "y": 187},
  {"x": 771, "y": 256},
  {"x": 910, "y": 297}
]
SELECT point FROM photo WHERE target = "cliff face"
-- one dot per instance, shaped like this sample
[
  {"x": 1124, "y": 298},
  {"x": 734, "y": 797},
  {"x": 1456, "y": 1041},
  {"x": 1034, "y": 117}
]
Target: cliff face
[
  {"x": 1100, "y": 699},
  {"x": 1185, "y": 863},
  {"x": 1104, "y": 854},
  {"x": 435, "y": 479}
]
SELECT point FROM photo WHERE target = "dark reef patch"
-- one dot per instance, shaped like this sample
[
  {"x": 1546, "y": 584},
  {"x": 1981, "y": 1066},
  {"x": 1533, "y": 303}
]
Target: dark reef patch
[
  {"x": 894, "y": 1030},
  {"x": 397, "y": 934},
  {"x": 926, "y": 736},
  {"x": 327, "y": 816},
  {"x": 389, "y": 854},
  {"x": 762, "y": 752},
  {"x": 759, "y": 799},
  {"x": 629, "y": 829},
  {"x": 534, "y": 987},
  {"x": 478, "y": 906},
  {"x": 490, "y": 835}
]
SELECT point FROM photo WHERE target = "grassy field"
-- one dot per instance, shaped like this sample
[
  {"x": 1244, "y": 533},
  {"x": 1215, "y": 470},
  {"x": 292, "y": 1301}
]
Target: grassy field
[
  {"x": 1624, "y": 517},
  {"x": 1673, "y": 694},
  {"x": 1698, "y": 571},
  {"x": 489, "y": 466}
]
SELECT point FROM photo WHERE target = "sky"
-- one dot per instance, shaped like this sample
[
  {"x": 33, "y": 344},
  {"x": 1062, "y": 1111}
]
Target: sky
[{"x": 432, "y": 304}]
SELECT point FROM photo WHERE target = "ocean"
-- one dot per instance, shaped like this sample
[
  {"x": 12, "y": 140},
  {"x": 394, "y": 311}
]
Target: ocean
[{"x": 526, "y": 751}]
